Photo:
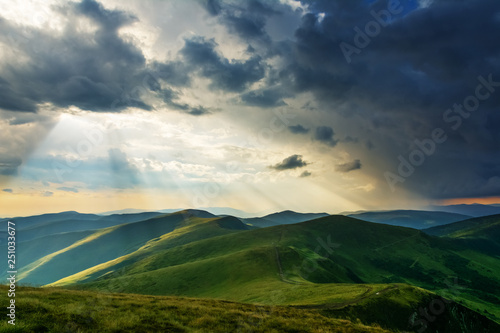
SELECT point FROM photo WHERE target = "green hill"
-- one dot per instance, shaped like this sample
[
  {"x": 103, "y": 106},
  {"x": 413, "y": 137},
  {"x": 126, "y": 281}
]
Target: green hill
[
  {"x": 480, "y": 233},
  {"x": 487, "y": 227},
  {"x": 97, "y": 247},
  {"x": 298, "y": 263}
]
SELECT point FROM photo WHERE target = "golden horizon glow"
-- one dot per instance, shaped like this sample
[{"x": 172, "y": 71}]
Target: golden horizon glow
[{"x": 470, "y": 201}]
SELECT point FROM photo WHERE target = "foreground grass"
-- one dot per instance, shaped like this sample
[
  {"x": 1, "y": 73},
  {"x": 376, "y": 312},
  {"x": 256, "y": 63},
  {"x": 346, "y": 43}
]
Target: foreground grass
[{"x": 59, "y": 310}]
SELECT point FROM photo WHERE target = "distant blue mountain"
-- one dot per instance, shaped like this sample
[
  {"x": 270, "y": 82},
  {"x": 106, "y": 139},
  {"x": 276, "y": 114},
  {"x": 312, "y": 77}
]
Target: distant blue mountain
[
  {"x": 214, "y": 210},
  {"x": 416, "y": 219},
  {"x": 474, "y": 210}
]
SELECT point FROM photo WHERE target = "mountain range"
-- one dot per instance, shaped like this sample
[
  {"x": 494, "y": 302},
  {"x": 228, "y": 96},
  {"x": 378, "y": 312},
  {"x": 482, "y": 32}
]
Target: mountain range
[{"x": 342, "y": 266}]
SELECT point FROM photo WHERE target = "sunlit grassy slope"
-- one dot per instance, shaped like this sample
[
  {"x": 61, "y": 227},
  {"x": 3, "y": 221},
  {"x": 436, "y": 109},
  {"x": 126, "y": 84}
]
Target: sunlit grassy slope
[
  {"x": 54, "y": 310},
  {"x": 59, "y": 310},
  {"x": 95, "y": 247}
]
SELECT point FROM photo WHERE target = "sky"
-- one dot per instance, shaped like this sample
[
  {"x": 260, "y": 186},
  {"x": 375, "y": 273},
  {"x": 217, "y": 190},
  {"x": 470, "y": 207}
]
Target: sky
[{"x": 313, "y": 106}]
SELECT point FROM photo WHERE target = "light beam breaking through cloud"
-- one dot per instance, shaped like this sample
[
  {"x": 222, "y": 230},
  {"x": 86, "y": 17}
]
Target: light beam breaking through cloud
[{"x": 197, "y": 99}]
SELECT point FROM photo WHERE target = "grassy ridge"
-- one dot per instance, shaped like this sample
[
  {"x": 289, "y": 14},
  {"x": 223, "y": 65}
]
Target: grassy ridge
[
  {"x": 387, "y": 310},
  {"x": 481, "y": 227},
  {"x": 58, "y": 310},
  {"x": 100, "y": 246}
]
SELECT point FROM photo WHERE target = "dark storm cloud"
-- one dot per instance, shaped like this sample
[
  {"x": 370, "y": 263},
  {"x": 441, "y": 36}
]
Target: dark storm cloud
[
  {"x": 325, "y": 135},
  {"x": 102, "y": 71},
  {"x": 245, "y": 26},
  {"x": 394, "y": 90},
  {"x": 298, "y": 129},
  {"x": 95, "y": 71},
  {"x": 349, "y": 166},
  {"x": 264, "y": 98},
  {"x": 369, "y": 145},
  {"x": 111, "y": 20},
  {"x": 398, "y": 85},
  {"x": 212, "y": 6},
  {"x": 421, "y": 62},
  {"x": 88, "y": 70},
  {"x": 176, "y": 73},
  {"x": 291, "y": 162},
  {"x": 10, "y": 99},
  {"x": 350, "y": 139},
  {"x": 224, "y": 75},
  {"x": 247, "y": 19}
]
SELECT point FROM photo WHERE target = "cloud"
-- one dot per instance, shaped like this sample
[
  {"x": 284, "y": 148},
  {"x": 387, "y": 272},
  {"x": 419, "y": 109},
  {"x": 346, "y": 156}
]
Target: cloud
[
  {"x": 212, "y": 6},
  {"x": 289, "y": 163},
  {"x": 298, "y": 129},
  {"x": 246, "y": 19},
  {"x": 47, "y": 194},
  {"x": 198, "y": 111},
  {"x": 9, "y": 165},
  {"x": 305, "y": 174},
  {"x": 92, "y": 73},
  {"x": 395, "y": 91},
  {"x": 175, "y": 73},
  {"x": 264, "y": 98},
  {"x": 8, "y": 190},
  {"x": 325, "y": 135},
  {"x": 245, "y": 26},
  {"x": 68, "y": 189},
  {"x": 124, "y": 174},
  {"x": 350, "y": 139},
  {"x": 96, "y": 70},
  {"x": 170, "y": 97},
  {"x": 349, "y": 166},
  {"x": 261, "y": 53},
  {"x": 232, "y": 76}
]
